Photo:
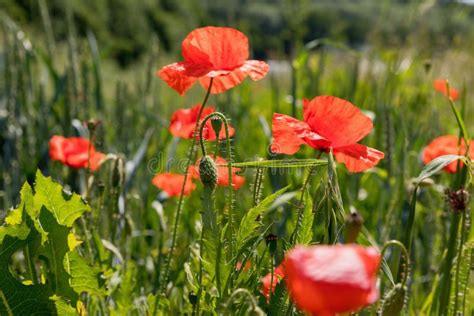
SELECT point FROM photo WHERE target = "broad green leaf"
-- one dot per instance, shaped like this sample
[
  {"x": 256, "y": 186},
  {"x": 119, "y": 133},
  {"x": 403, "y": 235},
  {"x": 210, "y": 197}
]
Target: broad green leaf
[
  {"x": 248, "y": 224},
  {"x": 66, "y": 208}
]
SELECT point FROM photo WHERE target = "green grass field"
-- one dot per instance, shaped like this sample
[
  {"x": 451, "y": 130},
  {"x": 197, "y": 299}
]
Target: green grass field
[{"x": 121, "y": 246}]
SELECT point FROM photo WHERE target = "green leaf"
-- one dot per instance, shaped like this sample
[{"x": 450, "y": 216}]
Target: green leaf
[
  {"x": 248, "y": 224},
  {"x": 66, "y": 208},
  {"x": 436, "y": 165}
]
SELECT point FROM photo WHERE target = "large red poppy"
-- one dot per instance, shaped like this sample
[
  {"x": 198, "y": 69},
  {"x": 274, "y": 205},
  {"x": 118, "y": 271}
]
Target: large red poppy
[
  {"x": 172, "y": 183},
  {"x": 75, "y": 152},
  {"x": 329, "y": 123},
  {"x": 222, "y": 174},
  {"x": 213, "y": 52},
  {"x": 328, "y": 280},
  {"x": 183, "y": 123},
  {"x": 440, "y": 86},
  {"x": 447, "y": 145},
  {"x": 268, "y": 285}
]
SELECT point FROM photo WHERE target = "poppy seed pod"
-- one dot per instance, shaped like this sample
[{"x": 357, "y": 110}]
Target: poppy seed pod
[{"x": 208, "y": 172}]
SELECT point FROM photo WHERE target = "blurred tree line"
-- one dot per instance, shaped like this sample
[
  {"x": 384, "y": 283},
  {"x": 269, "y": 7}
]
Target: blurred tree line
[{"x": 124, "y": 28}]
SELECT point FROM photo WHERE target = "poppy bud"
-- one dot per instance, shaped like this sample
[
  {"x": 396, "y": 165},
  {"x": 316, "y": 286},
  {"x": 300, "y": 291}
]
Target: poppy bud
[
  {"x": 353, "y": 225},
  {"x": 427, "y": 64},
  {"x": 458, "y": 200},
  {"x": 271, "y": 241},
  {"x": 92, "y": 124},
  {"x": 394, "y": 300},
  {"x": 216, "y": 125},
  {"x": 208, "y": 172}
]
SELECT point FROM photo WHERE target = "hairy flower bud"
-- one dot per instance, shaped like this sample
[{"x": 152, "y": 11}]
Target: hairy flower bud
[
  {"x": 393, "y": 302},
  {"x": 216, "y": 125},
  {"x": 208, "y": 172},
  {"x": 353, "y": 226}
]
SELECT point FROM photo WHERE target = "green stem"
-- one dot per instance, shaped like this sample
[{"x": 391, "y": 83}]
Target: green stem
[
  {"x": 181, "y": 196},
  {"x": 5, "y": 303},
  {"x": 201, "y": 253},
  {"x": 31, "y": 267},
  {"x": 458, "y": 262},
  {"x": 405, "y": 255}
]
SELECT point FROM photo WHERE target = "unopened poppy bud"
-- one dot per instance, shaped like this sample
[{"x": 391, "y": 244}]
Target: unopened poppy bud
[
  {"x": 393, "y": 302},
  {"x": 271, "y": 241},
  {"x": 427, "y": 64},
  {"x": 208, "y": 172},
  {"x": 216, "y": 125},
  {"x": 458, "y": 200},
  {"x": 192, "y": 298},
  {"x": 92, "y": 124},
  {"x": 353, "y": 226}
]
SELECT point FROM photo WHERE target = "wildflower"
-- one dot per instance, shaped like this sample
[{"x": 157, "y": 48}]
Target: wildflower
[
  {"x": 172, "y": 183},
  {"x": 213, "y": 52},
  {"x": 458, "y": 200},
  {"x": 268, "y": 285},
  {"x": 440, "y": 86},
  {"x": 447, "y": 145},
  {"x": 183, "y": 122},
  {"x": 328, "y": 280},
  {"x": 222, "y": 173},
  {"x": 329, "y": 123},
  {"x": 75, "y": 152},
  {"x": 246, "y": 267}
]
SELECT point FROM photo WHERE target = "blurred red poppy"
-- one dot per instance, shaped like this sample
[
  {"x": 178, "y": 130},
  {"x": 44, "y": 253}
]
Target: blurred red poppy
[
  {"x": 328, "y": 280},
  {"x": 222, "y": 174},
  {"x": 245, "y": 268},
  {"x": 268, "y": 285},
  {"x": 440, "y": 86},
  {"x": 447, "y": 145},
  {"x": 172, "y": 183},
  {"x": 183, "y": 122},
  {"x": 213, "y": 52},
  {"x": 75, "y": 152},
  {"x": 329, "y": 123}
]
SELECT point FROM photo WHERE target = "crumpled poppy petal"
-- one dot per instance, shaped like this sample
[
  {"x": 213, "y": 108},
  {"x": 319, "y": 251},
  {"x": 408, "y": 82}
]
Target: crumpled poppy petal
[
  {"x": 217, "y": 47},
  {"x": 446, "y": 145},
  {"x": 175, "y": 76},
  {"x": 56, "y": 144},
  {"x": 289, "y": 134},
  {"x": 75, "y": 152},
  {"x": 172, "y": 184},
  {"x": 328, "y": 280},
  {"x": 440, "y": 86},
  {"x": 358, "y": 157},
  {"x": 96, "y": 160},
  {"x": 256, "y": 69},
  {"x": 337, "y": 120},
  {"x": 224, "y": 82},
  {"x": 183, "y": 121}
]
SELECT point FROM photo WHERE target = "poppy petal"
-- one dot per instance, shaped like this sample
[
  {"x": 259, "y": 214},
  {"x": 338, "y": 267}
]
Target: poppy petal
[
  {"x": 328, "y": 280},
  {"x": 56, "y": 144},
  {"x": 289, "y": 134},
  {"x": 358, "y": 157},
  {"x": 337, "y": 120},
  {"x": 223, "y": 82},
  {"x": 183, "y": 121},
  {"x": 440, "y": 86},
  {"x": 172, "y": 184},
  {"x": 176, "y": 76},
  {"x": 256, "y": 69},
  {"x": 446, "y": 145},
  {"x": 216, "y": 47}
]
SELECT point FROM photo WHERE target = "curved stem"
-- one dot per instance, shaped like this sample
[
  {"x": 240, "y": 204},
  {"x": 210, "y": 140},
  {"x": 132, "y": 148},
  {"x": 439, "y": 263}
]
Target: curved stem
[
  {"x": 404, "y": 254},
  {"x": 181, "y": 196}
]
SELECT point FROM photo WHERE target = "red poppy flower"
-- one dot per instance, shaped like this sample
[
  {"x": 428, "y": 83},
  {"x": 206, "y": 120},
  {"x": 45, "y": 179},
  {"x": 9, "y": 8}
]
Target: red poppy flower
[
  {"x": 222, "y": 174},
  {"x": 329, "y": 123},
  {"x": 440, "y": 86},
  {"x": 268, "y": 285},
  {"x": 328, "y": 280},
  {"x": 75, "y": 152},
  {"x": 183, "y": 122},
  {"x": 213, "y": 52},
  {"x": 447, "y": 145},
  {"x": 172, "y": 183}
]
